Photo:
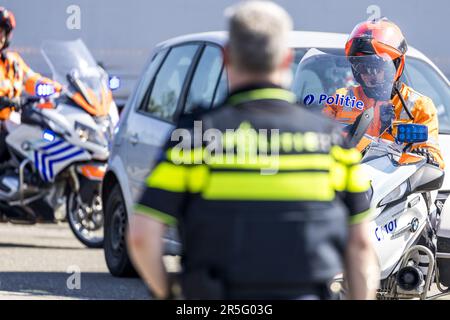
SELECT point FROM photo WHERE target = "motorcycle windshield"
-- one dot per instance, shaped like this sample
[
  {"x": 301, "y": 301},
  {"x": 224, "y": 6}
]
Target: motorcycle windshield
[
  {"x": 73, "y": 66},
  {"x": 342, "y": 87}
]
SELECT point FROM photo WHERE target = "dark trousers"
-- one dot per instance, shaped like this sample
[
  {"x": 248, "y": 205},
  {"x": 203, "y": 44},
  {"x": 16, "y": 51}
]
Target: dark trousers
[
  {"x": 200, "y": 285},
  {"x": 306, "y": 292}
]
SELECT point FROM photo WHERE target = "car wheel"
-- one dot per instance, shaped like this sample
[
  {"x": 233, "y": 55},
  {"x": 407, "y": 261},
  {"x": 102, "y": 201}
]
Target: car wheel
[{"x": 116, "y": 221}]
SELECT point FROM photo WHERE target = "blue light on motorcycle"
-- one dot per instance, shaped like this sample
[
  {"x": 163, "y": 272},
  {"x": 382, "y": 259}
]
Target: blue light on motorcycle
[
  {"x": 114, "y": 83},
  {"x": 45, "y": 89},
  {"x": 412, "y": 133},
  {"x": 49, "y": 135}
]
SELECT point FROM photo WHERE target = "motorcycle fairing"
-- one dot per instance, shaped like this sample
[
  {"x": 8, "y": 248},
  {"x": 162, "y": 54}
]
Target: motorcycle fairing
[
  {"x": 97, "y": 107},
  {"x": 50, "y": 158},
  {"x": 389, "y": 249}
]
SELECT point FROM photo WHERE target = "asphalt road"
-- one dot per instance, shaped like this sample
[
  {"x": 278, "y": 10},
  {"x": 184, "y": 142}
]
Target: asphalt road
[
  {"x": 48, "y": 262},
  {"x": 42, "y": 262}
]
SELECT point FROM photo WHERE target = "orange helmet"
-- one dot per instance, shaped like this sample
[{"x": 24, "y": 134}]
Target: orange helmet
[
  {"x": 7, "y": 23},
  {"x": 380, "y": 37}
]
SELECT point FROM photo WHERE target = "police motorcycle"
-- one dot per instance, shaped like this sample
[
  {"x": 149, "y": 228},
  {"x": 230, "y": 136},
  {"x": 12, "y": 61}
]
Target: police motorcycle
[
  {"x": 59, "y": 146},
  {"x": 410, "y": 235}
]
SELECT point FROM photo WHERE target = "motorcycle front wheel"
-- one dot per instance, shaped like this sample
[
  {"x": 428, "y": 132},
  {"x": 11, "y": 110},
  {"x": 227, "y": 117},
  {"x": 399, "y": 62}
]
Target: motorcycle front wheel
[{"x": 86, "y": 220}]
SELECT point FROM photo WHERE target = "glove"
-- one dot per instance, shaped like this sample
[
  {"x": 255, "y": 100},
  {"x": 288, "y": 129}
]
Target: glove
[
  {"x": 427, "y": 155},
  {"x": 6, "y": 102}
]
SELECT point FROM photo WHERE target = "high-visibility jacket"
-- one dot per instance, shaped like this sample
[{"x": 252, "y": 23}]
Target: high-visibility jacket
[
  {"x": 265, "y": 207},
  {"x": 15, "y": 77},
  {"x": 422, "y": 109}
]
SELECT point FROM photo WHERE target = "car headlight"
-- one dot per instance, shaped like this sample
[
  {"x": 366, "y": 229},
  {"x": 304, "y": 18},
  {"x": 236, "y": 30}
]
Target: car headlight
[
  {"x": 86, "y": 133},
  {"x": 395, "y": 195}
]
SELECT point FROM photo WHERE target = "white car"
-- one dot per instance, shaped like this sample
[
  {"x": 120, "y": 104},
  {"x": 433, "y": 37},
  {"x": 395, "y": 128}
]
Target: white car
[{"x": 188, "y": 71}]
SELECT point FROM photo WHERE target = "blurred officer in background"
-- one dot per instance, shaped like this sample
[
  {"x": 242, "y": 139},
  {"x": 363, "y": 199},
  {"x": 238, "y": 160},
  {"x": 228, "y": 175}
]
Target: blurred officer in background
[
  {"x": 248, "y": 233},
  {"x": 15, "y": 75}
]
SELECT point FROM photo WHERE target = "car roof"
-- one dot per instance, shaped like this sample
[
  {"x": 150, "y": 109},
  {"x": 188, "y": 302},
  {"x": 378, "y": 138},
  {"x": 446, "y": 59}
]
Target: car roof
[{"x": 297, "y": 39}]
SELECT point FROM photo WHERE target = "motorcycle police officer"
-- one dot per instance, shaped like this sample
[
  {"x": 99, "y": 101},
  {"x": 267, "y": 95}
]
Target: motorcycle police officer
[
  {"x": 15, "y": 77},
  {"x": 275, "y": 205}
]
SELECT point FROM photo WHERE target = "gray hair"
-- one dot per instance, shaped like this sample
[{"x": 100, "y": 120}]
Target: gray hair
[{"x": 258, "y": 35}]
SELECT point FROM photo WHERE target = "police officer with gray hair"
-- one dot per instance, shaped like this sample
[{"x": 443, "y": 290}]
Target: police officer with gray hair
[{"x": 248, "y": 233}]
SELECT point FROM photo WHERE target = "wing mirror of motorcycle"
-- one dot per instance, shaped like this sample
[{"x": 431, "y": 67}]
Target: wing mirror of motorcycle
[
  {"x": 411, "y": 133},
  {"x": 360, "y": 126},
  {"x": 427, "y": 178}
]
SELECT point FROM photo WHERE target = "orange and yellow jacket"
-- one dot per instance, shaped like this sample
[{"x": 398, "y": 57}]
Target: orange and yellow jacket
[
  {"x": 422, "y": 109},
  {"x": 16, "y": 76}
]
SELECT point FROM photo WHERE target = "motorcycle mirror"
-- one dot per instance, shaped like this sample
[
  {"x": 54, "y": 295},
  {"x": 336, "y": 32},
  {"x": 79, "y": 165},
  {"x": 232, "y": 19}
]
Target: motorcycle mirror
[
  {"x": 411, "y": 133},
  {"x": 360, "y": 126}
]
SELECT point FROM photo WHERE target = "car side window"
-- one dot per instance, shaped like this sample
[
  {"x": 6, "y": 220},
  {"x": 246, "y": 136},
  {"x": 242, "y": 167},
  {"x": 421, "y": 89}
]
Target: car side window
[
  {"x": 422, "y": 77},
  {"x": 222, "y": 89},
  {"x": 149, "y": 74},
  {"x": 204, "y": 81},
  {"x": 162, "y": 98}
]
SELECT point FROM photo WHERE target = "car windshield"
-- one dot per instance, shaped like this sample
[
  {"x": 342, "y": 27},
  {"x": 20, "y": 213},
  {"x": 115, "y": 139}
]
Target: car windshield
[
  {"x": 419, "y": 75},
  {"x": 343, "y": 87}
]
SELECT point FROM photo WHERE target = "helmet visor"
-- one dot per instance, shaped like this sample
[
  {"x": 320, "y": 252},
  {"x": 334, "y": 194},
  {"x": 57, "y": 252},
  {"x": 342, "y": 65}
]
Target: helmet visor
[{"x": 372, "y": 71}]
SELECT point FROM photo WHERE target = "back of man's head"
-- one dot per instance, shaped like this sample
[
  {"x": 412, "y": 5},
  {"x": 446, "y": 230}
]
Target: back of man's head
[{"x": 258, "y": 34}]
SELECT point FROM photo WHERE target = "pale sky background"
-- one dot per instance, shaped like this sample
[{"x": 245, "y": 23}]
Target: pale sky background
[{"x": 121, "y": 33}]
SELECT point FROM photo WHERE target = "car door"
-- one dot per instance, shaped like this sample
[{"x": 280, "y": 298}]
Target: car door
[
  {"x": 121, "y": 138},
  {"x": 153, "y": 118}
]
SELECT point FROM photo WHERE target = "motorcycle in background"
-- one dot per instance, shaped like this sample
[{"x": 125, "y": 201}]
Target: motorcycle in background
[{"x": 59, "y": 146}]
